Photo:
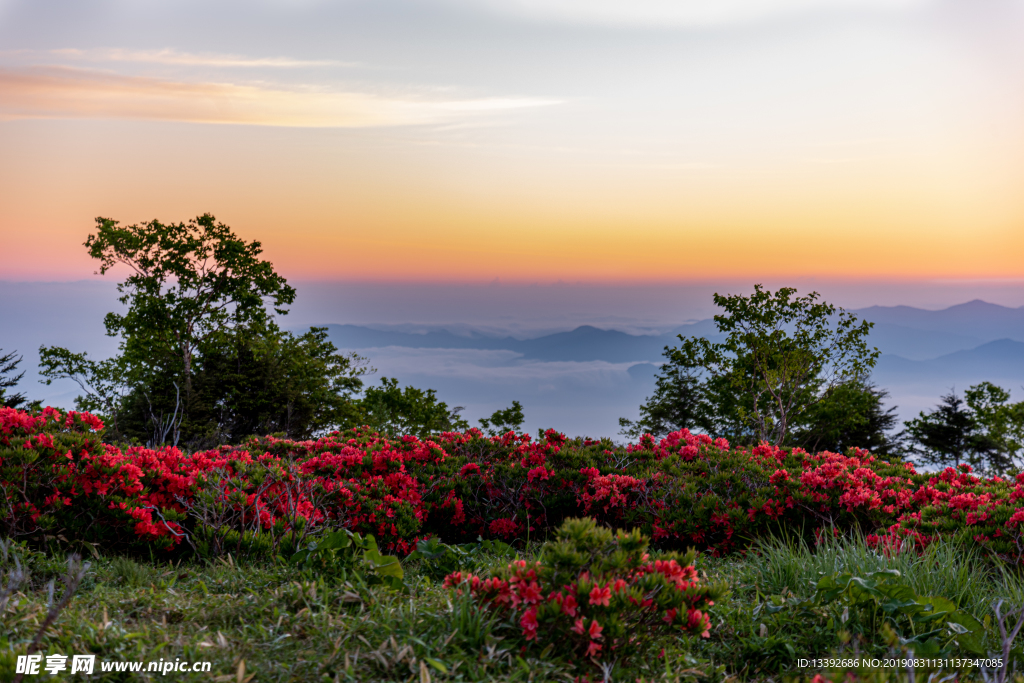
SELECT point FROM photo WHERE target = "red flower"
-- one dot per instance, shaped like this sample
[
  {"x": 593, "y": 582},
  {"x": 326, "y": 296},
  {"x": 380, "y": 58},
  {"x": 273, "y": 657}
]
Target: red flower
[
  {"x": 595, "y": 630},
  {"x": 600, "y": 596},
  {"x": 529, "y": 623},
  {"x": 503, "y": 527},
  {"x": 699, "y": 622},
  {"x": 530, "y": 593},
  {"x": 538, "y": 473},
  {"x": 569, "y": 605}
]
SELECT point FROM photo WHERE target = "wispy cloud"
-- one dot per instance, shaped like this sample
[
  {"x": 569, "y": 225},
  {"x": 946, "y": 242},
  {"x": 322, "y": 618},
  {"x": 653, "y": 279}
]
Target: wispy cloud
[
  {"x": 678, "y": 12},
  {"x": 174, "y": 57},
  {"x": 60, "y": 92}
]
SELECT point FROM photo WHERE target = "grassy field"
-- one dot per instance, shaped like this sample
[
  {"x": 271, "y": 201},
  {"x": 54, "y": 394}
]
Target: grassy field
[{"x": 266, "y": 621}]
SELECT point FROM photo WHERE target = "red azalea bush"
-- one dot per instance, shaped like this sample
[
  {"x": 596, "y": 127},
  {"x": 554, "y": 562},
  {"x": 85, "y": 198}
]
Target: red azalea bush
[
  {"x": 596, "y": 593},
  {"x": 57, "y": 477}
]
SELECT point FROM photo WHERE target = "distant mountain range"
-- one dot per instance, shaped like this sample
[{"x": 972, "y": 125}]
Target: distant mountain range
[
  {"x": 924, "y": 353},
  {"x": 977, "y": 319},
  {"x": 913, "y": 334},
  {"x": 579, "y": 381},
  {"x": 585, "y": 343}
]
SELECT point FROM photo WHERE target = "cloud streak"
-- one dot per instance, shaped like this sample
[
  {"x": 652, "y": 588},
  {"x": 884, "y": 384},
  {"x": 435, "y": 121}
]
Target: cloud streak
[
  {"x": 61, "y": 92},
  {"x": 697, "y": 13},
  {"x": 176, "y": 58},
  {"x": 500, "y": 367}
]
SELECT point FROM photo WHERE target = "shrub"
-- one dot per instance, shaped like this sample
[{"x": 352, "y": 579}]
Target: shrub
[
  {"x": 271, "y": 496},
  {"x": 596, "y": 593}
]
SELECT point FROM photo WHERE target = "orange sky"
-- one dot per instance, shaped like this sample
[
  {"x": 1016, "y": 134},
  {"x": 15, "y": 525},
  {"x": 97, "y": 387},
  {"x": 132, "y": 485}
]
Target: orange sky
[{"x": 888, "y": 146}]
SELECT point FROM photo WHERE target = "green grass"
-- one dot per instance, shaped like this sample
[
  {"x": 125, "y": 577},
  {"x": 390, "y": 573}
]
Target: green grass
[
  {"x": 288, "y": 627},
  {"x": 781, "y": 572}
]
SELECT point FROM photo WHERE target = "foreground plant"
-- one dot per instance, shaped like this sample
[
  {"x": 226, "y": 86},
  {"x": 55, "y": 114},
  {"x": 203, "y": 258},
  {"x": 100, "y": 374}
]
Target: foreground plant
[{"x": 597, "y": 594}]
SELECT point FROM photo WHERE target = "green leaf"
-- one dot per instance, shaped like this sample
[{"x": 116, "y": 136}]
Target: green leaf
[
  {"x": 386, "y": 565},
  {"x": 338, "y": 539},
  {"x": 972, "y": 642},
  {"x": 436, "y": 664},
  {"x": 966, "y": 621},
  {"x": 939, "y": 603},
  {"x": 886, "y": 572}
]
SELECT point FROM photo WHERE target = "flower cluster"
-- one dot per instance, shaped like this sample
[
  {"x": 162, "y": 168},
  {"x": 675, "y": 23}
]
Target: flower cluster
[
  {"x": 57, "y": 476},
  {"x": 596, "y": 592}
]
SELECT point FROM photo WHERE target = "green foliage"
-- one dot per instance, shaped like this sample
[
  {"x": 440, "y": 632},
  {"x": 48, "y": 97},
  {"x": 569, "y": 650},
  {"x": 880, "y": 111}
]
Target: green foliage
[
  {"x": 1002, "y": 422},
  {"x": 188, "y": 281},
  {"x": 781, "y": 355},
  {"x": 504, "y": 421},
  {"x": 8, "y": 365},
  {"x": 286, "y": 626},
  {"x": 275, "y": 383},
  {"x": 680, "y": 401},
  {"x": 34, "y": 566},
  {"x": 201, "y": 362},
  {"x": 947, "y": 435},
  {"x": 776, "y": 604},
  {"x": 987, "y": 431},
  {"x": 389, "y": 409},
  {"x": 347, "y": 556},
  {"x": 438, "y": 559},
  {"x": 598, "y": 596},
  {"x": 105, "y": 384},
  {"x": 849, "y": 415},
  {"x": 132, "y": 574},
  {"x": 930, "y": 625}
]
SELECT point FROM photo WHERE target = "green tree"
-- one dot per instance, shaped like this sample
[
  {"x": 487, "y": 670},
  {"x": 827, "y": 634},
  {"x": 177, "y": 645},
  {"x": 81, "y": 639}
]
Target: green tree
[
  {"x": 276, "y": 382},
  {"x": 392, "y": 410},
  {"x": 950, "y": 435},
  {"x": 200, "y": 359},
  {"x": 680, "y": 401},
  {"x": 188, "y": 281},
  {"x": 781, "y": 356},
  {"x": 1002, "y": 422},
  {"x": 246, "y": 383},
  {"x": 8, "y": 366},
  {"x": 105, "y": 384},
  {"x": 850, "y": 415},
  {"x": 504, "y": 421}
]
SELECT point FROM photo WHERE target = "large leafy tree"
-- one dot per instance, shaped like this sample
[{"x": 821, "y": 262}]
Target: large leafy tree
[
  {"x": 187, "y": 281},
  {"x": 201, "y": 360},
  {"x": 1002, "y": 422},
  {"x": 782, "y": 355}
]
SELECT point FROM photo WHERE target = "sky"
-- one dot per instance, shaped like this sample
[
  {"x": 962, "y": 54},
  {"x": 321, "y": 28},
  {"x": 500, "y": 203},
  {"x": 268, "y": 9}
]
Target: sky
[{"x": 872, "y": 145}]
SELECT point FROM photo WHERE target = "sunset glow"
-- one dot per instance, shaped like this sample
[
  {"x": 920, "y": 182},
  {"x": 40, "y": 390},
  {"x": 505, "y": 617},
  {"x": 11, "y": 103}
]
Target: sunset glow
[{"x": 540, "y": 142}]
